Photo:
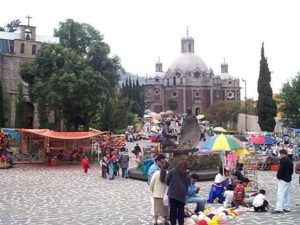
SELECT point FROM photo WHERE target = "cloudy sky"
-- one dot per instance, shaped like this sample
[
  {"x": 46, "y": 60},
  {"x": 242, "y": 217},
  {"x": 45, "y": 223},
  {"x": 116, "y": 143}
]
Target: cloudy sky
[{"x": 140, "y": 31}]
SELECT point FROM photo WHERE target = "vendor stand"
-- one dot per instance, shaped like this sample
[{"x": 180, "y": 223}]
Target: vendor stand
[{"x": 43, "y": 145}]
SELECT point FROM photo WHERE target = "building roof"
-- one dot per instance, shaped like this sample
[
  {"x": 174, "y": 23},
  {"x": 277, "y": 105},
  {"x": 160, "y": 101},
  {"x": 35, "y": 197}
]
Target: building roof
[
  {"x": 40, "y": 38},
  {"x": 157, "y": 74}
]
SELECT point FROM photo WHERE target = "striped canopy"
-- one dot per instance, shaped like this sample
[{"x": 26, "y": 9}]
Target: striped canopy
[{"x": 222, "y": 142}]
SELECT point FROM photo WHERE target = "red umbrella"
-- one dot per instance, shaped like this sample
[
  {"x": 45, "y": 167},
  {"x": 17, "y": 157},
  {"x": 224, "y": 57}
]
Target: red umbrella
[{"x": 260, "y": 140}]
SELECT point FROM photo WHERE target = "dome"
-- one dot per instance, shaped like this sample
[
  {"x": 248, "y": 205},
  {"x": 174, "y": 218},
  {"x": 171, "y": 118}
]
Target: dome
[
  {"x": 226, "y": 76},
  {"x": 188, "y": 61}
]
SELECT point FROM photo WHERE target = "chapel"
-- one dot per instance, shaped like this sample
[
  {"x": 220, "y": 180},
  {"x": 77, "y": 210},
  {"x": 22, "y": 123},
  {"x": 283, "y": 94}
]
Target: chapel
[{"x": 190, "y": 82}]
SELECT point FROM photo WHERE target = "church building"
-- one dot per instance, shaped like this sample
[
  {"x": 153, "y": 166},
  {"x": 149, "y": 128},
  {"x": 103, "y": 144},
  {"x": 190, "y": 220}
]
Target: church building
[
  {"x": 15, "y": 49},
  {"x": 190, "y": 82}
]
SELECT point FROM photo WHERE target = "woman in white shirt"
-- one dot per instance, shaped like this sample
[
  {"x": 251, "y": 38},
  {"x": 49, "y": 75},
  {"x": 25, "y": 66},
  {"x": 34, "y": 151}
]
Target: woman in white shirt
[{"x": 158, "y": 188}]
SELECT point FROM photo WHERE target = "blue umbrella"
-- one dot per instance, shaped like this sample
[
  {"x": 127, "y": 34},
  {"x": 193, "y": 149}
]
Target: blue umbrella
[{"x": 269, "y": 141}]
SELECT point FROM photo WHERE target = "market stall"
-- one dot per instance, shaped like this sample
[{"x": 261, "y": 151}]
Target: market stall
[{"x": 43, "y": 145}]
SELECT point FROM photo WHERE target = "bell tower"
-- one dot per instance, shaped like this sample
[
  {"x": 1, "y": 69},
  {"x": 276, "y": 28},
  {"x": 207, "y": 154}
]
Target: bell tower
[
  {"x": 28, "y": 32},
  {"x": 158, "y": 66},
  {"x": 27, "y": 45},
  {"x": 187, "y": 43}
]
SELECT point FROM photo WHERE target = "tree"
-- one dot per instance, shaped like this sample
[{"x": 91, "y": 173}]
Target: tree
[
  {"x": 77, "y": 79},
  {"x": 2, "y": 116},
  {"x": 78, "y": 36},
  {"x": 13, "y": 25},
  {"x": 217, "y": 113},
  {"x": 289, "y": 103},
  {"x": 172, "y": 103},
  {"x": 2, "y": 29},
  {"x": 20, "y": 120},
  {"x": 107, "y": 119},
  {"x": 223, "y": 112},
  {"x": 251, "y": 107},
  {"x": 266, "y": 106}
]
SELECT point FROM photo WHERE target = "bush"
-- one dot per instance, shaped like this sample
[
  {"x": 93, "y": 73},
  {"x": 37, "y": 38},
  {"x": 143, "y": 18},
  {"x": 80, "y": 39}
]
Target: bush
[
  {"x": 231, "y": 132},
  {"x": 195, "y": 162},
  {"x": 204, "y": 162},
  {"x": 200, "y": 162}
]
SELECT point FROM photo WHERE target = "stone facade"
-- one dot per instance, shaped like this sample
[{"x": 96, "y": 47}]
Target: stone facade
[
  {"x": 190, "y": 82},
  {"x": 15, "y": 49}
]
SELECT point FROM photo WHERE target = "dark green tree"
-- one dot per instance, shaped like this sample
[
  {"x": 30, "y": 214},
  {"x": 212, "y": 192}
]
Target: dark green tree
[
  {"x": 2, "y": 29},
  {"x": 130, "y": 89},
  {"x": 76, "y": 80},
  {"x": 266, "y": 106},
  {"x": 13, "y": 25},
  {"x": 289, "y": 104},
  {"x": 107, "y": 119},
  {"x": 172, "y": 103},
  {"x": 20, "y": 120},
  {"x": 78, "y": 36},
  {"x": 2, "y": 116}
]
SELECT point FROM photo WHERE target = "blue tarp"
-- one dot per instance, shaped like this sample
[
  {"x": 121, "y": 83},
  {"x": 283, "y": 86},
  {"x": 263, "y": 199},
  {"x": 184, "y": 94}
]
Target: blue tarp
[{"x": 295, "y": 129}]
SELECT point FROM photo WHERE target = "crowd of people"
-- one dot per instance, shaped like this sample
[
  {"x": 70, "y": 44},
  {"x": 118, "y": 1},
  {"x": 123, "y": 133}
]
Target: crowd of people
[
  {"x": 111, "y": 163},
  {"x": 171, "y": 190}
]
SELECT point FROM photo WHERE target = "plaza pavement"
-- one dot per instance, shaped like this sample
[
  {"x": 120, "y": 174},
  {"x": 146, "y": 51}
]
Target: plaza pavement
[{"x": 40, "y": 194}]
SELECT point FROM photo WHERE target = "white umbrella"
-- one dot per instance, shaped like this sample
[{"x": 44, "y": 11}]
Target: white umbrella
[{"x": 219, "y": 129}]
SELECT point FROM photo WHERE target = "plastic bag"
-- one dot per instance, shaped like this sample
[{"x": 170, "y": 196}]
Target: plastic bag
[{"x": 166, "y": 198}]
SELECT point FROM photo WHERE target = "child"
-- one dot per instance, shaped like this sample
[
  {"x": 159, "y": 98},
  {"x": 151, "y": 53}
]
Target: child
[
  {"x": 260, "y": 202},
  {"x": 85, "y": 164},
  {"x": 228, "y": 195},
  {"x": 239, "y": 193}
]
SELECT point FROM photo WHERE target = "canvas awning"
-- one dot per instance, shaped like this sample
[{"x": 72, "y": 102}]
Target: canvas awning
[{"x": 62, "y": 135}]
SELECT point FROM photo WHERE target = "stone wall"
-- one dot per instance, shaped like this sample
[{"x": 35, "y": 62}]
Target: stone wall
[{"x": 10, "y": 77}]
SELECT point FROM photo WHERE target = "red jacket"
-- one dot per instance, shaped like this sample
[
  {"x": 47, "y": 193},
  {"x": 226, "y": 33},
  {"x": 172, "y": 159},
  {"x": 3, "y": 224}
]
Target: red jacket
[
  {"x": 85, "y": 163},
  {"x": 239, "y": 195}
]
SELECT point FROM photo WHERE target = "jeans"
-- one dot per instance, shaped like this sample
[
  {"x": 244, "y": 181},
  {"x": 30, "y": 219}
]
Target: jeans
[
  {"x": 284, "y": 190},
  {"x": 111, "y": 171},
  {"x": 176, "y": 211},
  {"x": 197, "y": 199},
  {"x": 124, "y": 172}
]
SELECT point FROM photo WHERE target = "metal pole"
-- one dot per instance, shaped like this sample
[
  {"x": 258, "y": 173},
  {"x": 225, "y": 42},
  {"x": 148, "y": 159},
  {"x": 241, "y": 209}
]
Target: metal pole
[
  {"x": 246, "y": 106},
  {"x": 246, "y": 128}
]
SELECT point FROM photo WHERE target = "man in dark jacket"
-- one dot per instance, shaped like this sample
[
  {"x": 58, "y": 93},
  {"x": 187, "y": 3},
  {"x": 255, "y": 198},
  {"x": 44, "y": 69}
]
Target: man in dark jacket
[
  {"x": 284, "y": 176},
  {"x": 178, "y": 182}
]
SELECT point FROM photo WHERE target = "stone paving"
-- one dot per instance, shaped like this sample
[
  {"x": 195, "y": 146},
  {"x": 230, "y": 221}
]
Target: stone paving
[{"x": 39, "y": 194}]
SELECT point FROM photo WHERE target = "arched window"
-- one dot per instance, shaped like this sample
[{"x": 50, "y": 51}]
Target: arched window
[
  {"x": 33, "y": 49},
  {"x": 22, "y": 48},
  {"x": 197, "y": 74}
]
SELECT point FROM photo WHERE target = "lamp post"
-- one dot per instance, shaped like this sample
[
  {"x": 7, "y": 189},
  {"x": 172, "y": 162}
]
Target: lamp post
[{"x": 246, "y": 129}]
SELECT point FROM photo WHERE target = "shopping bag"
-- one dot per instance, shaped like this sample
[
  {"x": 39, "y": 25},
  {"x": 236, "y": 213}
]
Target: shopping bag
[{"x": 166, "y": 198}]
